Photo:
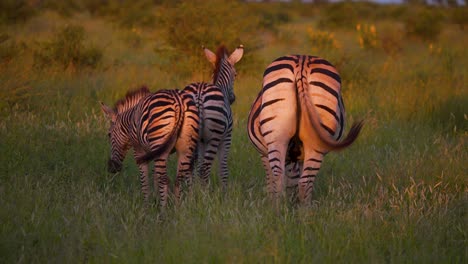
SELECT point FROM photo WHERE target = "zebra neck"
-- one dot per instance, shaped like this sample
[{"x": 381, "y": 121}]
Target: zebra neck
[
  {"x": 223, "y": 80},
  {"x": 127, "y": 119},
  {"x": 224, "y": 88}
]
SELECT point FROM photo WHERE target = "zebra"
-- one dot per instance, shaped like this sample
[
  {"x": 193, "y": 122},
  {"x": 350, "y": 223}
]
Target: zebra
[
  {"x": 296, "y": 119},
  {"x": 214, "y": 101},
  {"x": 154, "y": 124}
]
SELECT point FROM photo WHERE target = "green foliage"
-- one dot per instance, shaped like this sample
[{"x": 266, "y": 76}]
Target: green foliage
[
  {"x": 322, "y": 40},
  {"x": 193, "y": 24},
  {"x": 347, "y": 14},
  {"x": 451, "y": 115},
  {"x": 459, "y": 16},
  {"x": 272, "y": 14},
  {"x": 391, "y": 38},
  {"x": 64, "y": 8},
  {"x": 424, "y": 23},
  {"x": 68, "y": 49},
  {"x": 127, "y": 13},
  {"x": 340, "y": 14},
  {"x": 367, "y": 36},
  {"x": 15, "y": 92}
]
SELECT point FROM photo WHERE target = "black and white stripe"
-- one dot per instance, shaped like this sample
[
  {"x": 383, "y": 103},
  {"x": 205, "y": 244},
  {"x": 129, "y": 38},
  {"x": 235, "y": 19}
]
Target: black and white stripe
[
  {"x": 296, "y": 119},
  {"x": 214, "y": 101},
  {"x": 153, "y": 124}
]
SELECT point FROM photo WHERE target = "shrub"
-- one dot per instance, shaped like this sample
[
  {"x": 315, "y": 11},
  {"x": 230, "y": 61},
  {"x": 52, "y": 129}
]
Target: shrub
[
  {"x": 424, "y": 23},
  {"x": 322, "y": 40},
  {"x": 338, "y": 15},
  {"x": 459, "y": 16},
  {"x": 367, "y": 36},
  {"x": 271, "y": 14},
  {"x": 391, "y": 38},
  {"x": 64, "y": 8},
  {"x": 134, "y": 37},
  {"x": 126, "y": 13},
  {"x": 9, "y": 48},
  {"x": 12, "y": 11},
  {"x": 67, "y": 49},
  {"x": 191, "y": 24}
]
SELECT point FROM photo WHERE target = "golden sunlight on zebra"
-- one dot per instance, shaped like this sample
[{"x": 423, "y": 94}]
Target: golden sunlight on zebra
[
  {"x": 154, "y": 124},
  {"x": 296, "y": 119},
  {"x": 214, "y": 101}
]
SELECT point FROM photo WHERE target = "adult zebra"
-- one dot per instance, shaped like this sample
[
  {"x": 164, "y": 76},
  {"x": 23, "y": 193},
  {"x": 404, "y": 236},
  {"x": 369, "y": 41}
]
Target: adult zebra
[
  {"x": 214, "y": 102},
  {"x": 296, "y": 119},
  {"x": 154, "y": 124}
]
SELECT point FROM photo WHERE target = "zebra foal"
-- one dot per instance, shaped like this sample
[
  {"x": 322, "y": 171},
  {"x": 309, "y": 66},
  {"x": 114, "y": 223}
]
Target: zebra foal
[
  {"x": 214, "y": 102},
  {"x": 297, "y": 118},
  {"x": 154, "y": 124}
]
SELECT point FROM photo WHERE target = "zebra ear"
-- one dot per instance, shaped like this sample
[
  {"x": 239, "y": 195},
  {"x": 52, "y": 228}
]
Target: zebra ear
[
  {"x": 210, "y": 55},
  {"x": 236, "y": 55},
  {"x": 110, "y": 114}
]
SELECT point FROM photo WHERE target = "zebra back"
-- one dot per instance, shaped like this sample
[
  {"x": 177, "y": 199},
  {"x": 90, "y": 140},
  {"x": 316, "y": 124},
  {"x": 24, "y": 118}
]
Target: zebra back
[{"x": 161, "y": 119}]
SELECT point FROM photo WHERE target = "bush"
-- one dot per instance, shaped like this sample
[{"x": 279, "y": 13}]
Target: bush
[
  {"x": 424, "y": 23},
  {"x": 191, "y": 24},
  {"x": 459, "y": 16},
  {"x": 322, "y": 40},
  {"x": 338, "y": 15},
  {"x": 391, "y": 39},
  {"x": 271, "y": 14},
  {"x": 12, "y": 11},
  {"x": 126, "y": 13},
  {"x": 367, "y": 36},
  {"x": 9, "y": 48},
  {"x": 67, "y": 49}
]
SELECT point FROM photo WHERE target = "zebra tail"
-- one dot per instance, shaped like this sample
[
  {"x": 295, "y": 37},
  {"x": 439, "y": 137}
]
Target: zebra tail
[
  {"x": 314, "y": 118},
  {"x": 199, "y": 99},
  {"x": 170, "y": 143},
  {"x": 195, "y": 158}
]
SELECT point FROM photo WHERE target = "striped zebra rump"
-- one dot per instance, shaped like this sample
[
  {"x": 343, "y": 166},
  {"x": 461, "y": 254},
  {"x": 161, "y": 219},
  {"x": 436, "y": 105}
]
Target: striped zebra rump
[
  {"x": 154, "y": 124},
  {"x": 215, "y": 124},
  {"x": 215, "y": 107},
  {"x": 296, "y": 119},
  {"x": 187, "y": 140},
  {"x": 158, "y": 121}
]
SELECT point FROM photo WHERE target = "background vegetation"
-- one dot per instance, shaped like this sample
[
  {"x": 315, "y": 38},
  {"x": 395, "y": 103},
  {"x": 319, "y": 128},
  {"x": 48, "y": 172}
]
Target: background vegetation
[{"x": 399, "y": 194}]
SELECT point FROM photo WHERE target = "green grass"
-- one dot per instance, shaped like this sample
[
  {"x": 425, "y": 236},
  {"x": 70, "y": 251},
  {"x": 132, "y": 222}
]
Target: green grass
[{"x": 398, "y": 195}]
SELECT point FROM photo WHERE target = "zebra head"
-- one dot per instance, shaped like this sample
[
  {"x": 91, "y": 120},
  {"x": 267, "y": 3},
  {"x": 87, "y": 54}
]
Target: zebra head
[
  {"x": 118, "y": 139},
  {"x": 224, "y": 72}
]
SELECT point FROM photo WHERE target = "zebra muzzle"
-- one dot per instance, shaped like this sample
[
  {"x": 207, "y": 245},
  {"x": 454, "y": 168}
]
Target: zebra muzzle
[
  {"x": 232, "y": 99},
  {"x": 114, "y": 166}
]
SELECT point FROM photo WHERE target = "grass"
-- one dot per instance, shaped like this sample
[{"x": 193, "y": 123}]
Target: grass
[{"x": 398, "y": 195}]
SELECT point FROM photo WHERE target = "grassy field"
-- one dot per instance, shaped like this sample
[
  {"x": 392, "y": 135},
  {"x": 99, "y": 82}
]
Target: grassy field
[{"x": 398, "y": 195}]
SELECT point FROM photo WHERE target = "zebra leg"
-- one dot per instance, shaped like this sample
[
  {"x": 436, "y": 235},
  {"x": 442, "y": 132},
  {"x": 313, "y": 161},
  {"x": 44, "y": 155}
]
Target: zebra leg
[
  {"x": 269, "y": 175},
  {"x": 184, "y": 175},
  {"x": 312, "y": 163},
  {"x": 200, "y": 155},
  {"x": 223, "y": 153},
  {"x": 208, "y": 158},
  {"x": 276, "y": 158},
  {"x": 160, "y": 166},
  {"x": 144, "y": 181}
]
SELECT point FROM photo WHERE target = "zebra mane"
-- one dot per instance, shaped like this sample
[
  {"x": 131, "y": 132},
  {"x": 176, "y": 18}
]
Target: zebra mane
[
  {"x": 220, "y": 56},
  {"x": 131, "y": 99}
]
